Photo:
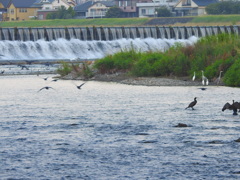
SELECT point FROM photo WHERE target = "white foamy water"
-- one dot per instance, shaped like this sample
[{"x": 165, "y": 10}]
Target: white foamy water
[
  {"x": 114, "y": 131},
  {"x": 75, "y": 48}
]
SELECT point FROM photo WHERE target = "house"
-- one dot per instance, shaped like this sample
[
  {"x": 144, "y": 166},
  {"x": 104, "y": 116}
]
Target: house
[
  {"x": 49, "y": 6},
  {"x": 129, "y": 7},
  {"x": 91, "y": 9},
  {"x": 148, "y": 9},
  {"x": 3, "y": 9},
  {"x": 21, "y": 10},
  {"x": 192, "y": 7}
]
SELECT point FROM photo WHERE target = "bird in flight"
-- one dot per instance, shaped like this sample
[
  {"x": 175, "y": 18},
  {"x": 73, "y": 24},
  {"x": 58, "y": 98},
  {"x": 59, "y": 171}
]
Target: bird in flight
[
  {"x": 46, "y": 78},
  {"x": 46, "y": 87},
  {"x": 23, "y": 67},
  {"x": 55, "y": 80},
  {"x": 203, "y": 89},
  {"x": 193, "y": 103},
  {"x": 79, "y": 87}
]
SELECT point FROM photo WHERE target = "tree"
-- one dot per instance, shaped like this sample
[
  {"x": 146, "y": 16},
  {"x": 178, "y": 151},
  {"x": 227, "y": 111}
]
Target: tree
[
  {"x": 227, "y": 7},
  {"x": 71, "y": 12},
  {"x": 62, "y": 13},
  {"x": 114, "y": 12},
  {"x": 163, "y": 12}
]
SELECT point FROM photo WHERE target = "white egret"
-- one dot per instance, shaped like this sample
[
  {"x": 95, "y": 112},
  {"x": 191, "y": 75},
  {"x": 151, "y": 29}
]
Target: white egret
[
  {"x": 204, "y": 79},
  {"x": 194, "y": 76},
  {"x": 219, "y": 78}
]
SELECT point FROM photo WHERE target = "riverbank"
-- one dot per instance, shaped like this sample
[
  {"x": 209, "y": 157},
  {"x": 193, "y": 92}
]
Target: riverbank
[{"x": 123, "y": 78}]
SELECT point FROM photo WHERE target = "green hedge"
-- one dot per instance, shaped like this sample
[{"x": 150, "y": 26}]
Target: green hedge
[{"x": 211, "y": 54}]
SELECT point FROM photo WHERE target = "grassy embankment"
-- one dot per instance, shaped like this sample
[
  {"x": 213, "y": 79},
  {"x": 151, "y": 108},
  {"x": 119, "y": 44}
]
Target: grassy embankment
[
  {"x": 211, "y": 54},
  {"x": 197, "y": 21}
]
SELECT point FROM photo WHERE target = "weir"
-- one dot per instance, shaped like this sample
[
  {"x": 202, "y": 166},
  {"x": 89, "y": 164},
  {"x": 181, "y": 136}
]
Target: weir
[
  {"x": 84, "y": 43},
  {"x": 112, "y": 33}
]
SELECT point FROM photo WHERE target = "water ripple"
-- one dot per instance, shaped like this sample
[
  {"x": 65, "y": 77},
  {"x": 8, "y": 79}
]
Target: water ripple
[{"x": 113, "y": 131}]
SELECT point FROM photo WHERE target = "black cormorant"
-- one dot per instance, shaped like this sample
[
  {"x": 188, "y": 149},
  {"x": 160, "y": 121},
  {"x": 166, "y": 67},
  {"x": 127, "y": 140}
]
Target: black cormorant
[
  {"x": 192, "y": 104},
  {"x": 234, "y": 106}
]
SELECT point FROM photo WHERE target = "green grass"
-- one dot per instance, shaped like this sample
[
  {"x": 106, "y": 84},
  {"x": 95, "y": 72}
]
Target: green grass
[
  {"x": 216, "y": 19},
  {"x": 221, "y": 19},
  {"x": 77, "y": 22}
]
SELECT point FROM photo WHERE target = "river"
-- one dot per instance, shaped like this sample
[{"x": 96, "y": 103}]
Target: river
[{"x": 110, "y": 131}]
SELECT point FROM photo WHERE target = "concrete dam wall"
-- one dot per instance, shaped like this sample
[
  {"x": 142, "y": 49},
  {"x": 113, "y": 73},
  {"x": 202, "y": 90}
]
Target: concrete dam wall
[{"x": 113, "y": 33}]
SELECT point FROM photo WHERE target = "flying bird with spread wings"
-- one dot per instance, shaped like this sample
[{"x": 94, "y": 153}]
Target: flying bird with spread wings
[{"x": 46, "y": 87}]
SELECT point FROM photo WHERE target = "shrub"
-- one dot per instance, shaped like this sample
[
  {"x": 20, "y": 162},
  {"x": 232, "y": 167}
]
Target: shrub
[
  {"x": 64, "y": 69},
  {"x": 105, "y": 64},
  {"x": 231, "y": 77},
  {"x": 114, "y": 12},
  {"x": 123, "y": 60},
  {"x": 163, "y": 12},
  {"x": 86, "y": 71},
  {"x": 211, "y": 54},
  {"x": 213, "y": 70},
  {"x": 151, "y": 64}
]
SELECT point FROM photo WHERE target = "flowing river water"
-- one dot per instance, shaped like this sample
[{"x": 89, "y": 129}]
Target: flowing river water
[{"x": 110, "y": 131}]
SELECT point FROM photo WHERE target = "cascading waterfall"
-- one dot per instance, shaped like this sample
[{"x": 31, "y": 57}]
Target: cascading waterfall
[
  {"x": 141, "y": 32},
  {"x": 78, "y": 33},
  {"x": 96, "y": 42},
  {"x": 75, "y": 48},
  {"x": 119, "y": 33},
  {"x": 203, "y": 31},
  {"x": 114, "y": 33},
  {"x": 154, "y": 33}
]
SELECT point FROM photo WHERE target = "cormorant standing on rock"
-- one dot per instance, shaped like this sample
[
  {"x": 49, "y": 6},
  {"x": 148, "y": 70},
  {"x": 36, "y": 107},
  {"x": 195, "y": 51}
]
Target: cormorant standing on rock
[{"x": 192, "y": 104}]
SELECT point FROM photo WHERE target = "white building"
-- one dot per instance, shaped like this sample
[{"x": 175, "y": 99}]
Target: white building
[{"x": 149, "y": 9}]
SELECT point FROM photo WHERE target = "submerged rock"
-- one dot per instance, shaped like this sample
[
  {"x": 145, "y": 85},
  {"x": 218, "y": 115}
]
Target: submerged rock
[
  {"x": 215, "y": 142},
  {"x": 235, "y": 172},
  {"x": 237, "y": 140},
  {"x": 142, "y": 133},
  {"x": 181, "y": 125},
  {"x": 147, "y": 141}
]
